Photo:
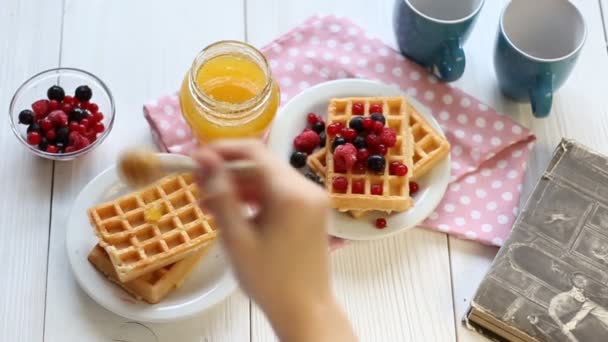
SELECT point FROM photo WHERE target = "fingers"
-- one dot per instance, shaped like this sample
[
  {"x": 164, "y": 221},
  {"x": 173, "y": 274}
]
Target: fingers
[{"x": 218, "y": 195}]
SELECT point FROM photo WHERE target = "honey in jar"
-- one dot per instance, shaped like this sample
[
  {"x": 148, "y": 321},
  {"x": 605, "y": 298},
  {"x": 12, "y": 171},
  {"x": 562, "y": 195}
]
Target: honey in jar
[{"x": 229, "y": 92}]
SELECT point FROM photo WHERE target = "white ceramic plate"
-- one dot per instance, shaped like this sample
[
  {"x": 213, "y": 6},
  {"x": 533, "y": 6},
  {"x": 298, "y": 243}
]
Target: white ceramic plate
[
  {"x": 292, "y": 119},
  {"x": 208, "y": 284}
]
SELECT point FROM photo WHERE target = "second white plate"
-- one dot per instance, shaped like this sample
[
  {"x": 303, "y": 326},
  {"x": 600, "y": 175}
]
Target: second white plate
[
  {"x": 292, "y": 119},
  {"x": 208, "y": 284}
]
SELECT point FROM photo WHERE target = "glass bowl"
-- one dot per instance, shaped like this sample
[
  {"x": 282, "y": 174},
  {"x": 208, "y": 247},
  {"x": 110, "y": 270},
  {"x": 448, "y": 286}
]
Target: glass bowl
[{"x": 35, "y": 88}]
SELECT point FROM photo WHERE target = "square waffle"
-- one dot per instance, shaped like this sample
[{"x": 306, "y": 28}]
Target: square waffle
[
  {"x": 156, "y": 285},
  {"x": 137, "y": 244},
  {"x": 430, "y": 148},
  {"x": 395, "y": 195}
]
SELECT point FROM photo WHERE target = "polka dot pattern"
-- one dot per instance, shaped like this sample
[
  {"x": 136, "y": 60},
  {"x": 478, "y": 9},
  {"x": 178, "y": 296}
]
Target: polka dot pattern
[{"x": 489, "y": 151}]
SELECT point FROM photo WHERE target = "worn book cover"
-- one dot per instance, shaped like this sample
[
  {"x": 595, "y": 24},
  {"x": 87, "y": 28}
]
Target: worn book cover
[{"x": 549, "y": 282}]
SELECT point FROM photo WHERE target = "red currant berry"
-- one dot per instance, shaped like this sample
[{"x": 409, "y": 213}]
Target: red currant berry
[
  {"x": 363, "y": 154},
  {"x": 46, "y": 124},
  {"x": 375, "y": 108},
  {"x": 401, "y": 170},
  {"x": 66, "y": 107},
  {"x": 340, "y": 184},
  {"x": 51, "y": 149},
  {"x": 85, "y": 122},
  {"x": 381, "y": 149},
  {"x": 358, "y": 187},
  {"x": 311, "y": 118},
  {"x": 377, "y": 189},
  {"x": 368, "y": 123},
  {"x": 73, "y": 126},
  {"x": 81, "y": 129},
  {"x": 99, "y": 127},
  {"x": 70, "y": 149},
  {"x": 97, "y": 117},
  {"x": 378, "y": 127},
  {"x": 414, "y": 188},
  {"x": 358, "y": 108},
  {"x": 333, "y": 129},
  {"x": 348, "y": 133},
  {"x": 54, "y": 105},
  {"x": 71, "y": 100},
  {"x": 92, "y": 107},
  {"x": 380, "y": 223},
  {"x": 34, "y": 138},
  {"x": 51, "y": 134},
  {"x": 392, "y": 166}
]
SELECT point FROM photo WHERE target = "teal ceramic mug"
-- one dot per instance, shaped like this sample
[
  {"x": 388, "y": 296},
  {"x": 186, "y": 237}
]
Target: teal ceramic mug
[
  {"x": 538, "y": 44},
  {"x": 432, "y": 32}
]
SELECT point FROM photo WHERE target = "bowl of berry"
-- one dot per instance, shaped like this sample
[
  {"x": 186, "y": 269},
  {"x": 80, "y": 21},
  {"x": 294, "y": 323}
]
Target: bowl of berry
[{"x": 62, "y": 113}]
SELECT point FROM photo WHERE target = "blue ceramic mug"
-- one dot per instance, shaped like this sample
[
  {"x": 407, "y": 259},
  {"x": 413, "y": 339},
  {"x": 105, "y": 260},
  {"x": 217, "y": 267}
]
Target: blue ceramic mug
[
  {"x": 538, "y": 44},
  {"x": 432, "y": 32}
]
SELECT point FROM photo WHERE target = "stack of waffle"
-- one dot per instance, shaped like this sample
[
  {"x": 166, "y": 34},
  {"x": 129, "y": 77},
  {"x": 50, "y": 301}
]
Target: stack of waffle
[
  {"x": 419, "y": 147},
  {"x": 150, "y": 240}
]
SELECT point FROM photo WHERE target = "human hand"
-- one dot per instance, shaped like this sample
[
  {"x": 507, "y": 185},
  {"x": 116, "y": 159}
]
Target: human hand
[
  {"x": 280, "y": 256},
  {"x": 569, "y": 326}
]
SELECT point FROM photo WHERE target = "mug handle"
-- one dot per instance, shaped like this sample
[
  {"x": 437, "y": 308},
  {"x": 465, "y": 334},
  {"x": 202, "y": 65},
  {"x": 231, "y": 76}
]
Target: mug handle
[
  {"x": 541, "y": 95},
  {"x": 450, "y": 62}
]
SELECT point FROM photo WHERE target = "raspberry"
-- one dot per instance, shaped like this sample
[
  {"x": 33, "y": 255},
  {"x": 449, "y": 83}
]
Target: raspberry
[
  {"x": 389, "y": 137},
  {"x": 373, "y": 140},
  {"x": 58, "y": 118},
  {"x": 340, "y": 184},
  {"x": 311, "y": 118},
  {"x": 348, "y": 133},
  {"x": 41, "y": 108},
  {"x": 70, "y": 149},
  {"x": 414, "y": 188},
  {"x": 378, "y": 127},
  {"x": 345, "y": 155},
  {"x": 333, "y": 129},
  {"x": 305, "y": 142},
  {"x": 363, "y": 154},
  {"x": 358, "y": 108},
  {"x": 375, "y": 108},
  {"x": 377, "y": 189},
  {"x": 368, "y": 123},
  {"x": 359, "y": 168},
  {"x": 380, "y": 223},
  {"x": 358, "y": 187}
]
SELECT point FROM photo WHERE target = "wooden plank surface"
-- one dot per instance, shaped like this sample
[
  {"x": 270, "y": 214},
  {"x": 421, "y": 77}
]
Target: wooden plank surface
[
  {"x": 30, "y": 42},
  {"x": 142, "y": 51}
]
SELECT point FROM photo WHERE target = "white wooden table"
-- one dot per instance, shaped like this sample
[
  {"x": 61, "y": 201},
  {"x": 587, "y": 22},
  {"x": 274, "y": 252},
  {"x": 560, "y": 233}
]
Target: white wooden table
[{"x": 413, "y": 287}]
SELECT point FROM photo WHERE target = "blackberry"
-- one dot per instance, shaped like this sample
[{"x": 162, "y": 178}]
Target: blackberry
[
  {"x": 298, "y": 159},
  {"x": 376, "y": 163},
  {"x": 55, "y": 93},
  {"x": 359, "y": 142},
  {"x": 379, "y": 117},
  {"x": 337, "y": 142},
  {"x": 356, "y": 123}
]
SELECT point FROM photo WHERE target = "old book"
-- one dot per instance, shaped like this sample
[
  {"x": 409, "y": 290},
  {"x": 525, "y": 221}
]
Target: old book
[{"x": 549, "y": 282}]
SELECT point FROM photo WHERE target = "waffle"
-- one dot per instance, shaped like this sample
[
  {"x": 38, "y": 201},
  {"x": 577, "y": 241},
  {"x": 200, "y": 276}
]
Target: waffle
[
  {"x": 395, "y": 195},
  {"x": 430, "y": 148},
  {"x": 137, "y": 246},
  {"x": 156, "y": 285}
]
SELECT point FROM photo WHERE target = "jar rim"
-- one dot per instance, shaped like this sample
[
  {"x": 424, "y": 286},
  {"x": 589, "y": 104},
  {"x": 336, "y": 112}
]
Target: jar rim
[{"x": 258, "y": 57}]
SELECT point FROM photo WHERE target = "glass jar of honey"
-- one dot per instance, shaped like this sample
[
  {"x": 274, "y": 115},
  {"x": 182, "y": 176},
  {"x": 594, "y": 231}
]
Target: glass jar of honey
[{"x": 229, "y": 92}]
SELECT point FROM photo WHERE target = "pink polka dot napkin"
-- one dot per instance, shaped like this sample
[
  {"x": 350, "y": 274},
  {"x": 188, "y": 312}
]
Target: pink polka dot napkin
[{"x": 489, "y": 151}]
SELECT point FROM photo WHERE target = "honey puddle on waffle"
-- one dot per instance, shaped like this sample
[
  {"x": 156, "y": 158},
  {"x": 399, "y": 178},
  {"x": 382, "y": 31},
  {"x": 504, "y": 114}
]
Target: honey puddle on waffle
[
  {"x": 149, "y": 229},
  {"x": 416, "y": 139}
]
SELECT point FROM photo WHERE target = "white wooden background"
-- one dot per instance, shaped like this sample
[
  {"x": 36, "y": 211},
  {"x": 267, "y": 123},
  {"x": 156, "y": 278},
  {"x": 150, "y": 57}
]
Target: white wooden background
[{"x": 412, "y": 287}]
